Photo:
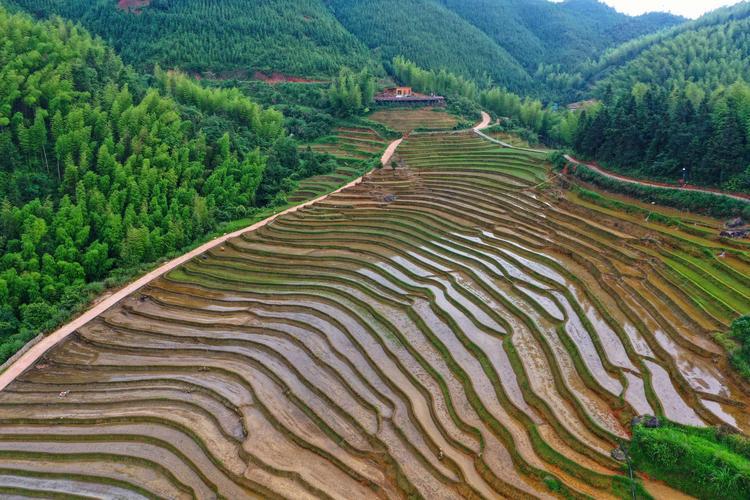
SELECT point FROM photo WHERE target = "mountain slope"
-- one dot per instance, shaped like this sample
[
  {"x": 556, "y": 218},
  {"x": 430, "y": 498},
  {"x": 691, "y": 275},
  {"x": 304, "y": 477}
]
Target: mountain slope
[
  {"x": 430, "y": 35},
  {"x": 709, "y": 56},
  {"x": 299, "y": 37},
  {"x": 539, "y": 31},
  {"x": 641, "y": 51},
  {"x": 505, "y": 41},
  {"x": 680, "y": 107}
]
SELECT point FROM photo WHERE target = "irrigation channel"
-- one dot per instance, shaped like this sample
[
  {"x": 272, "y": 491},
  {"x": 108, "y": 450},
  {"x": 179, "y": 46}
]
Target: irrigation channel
[{"x": 442, "y": 330}]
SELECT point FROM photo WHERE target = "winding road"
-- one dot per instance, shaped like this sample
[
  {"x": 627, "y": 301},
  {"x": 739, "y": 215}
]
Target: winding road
[
  {"x": 20, "y": 363},
  {"x": 599, "y": 170},
  {"x": 484, "y": 123}
]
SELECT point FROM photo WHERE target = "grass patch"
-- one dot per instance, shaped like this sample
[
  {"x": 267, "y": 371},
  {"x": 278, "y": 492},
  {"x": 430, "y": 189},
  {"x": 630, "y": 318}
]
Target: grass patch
[
  {"x": 737, "y": 343},
  {"x": 704, "y": 462}
]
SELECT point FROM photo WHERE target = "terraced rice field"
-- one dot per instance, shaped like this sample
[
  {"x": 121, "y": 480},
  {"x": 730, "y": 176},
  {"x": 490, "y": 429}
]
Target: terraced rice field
[
  {"x": 407, "y": 120},
  {"x": 354, "y": 143},
  {"x": 352, "y": 146},
  {"x": 715, "y": 271},
  {"x": 318, "y": 185},
  {"x": 443, "y": 330}
]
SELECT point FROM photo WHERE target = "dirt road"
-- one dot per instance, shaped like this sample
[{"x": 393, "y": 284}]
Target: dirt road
[
  {"x": 28, "y": 358},
  {"x": 484, "y": 123},
  {"x": 388, "y": 153},
  {"x": 629, "y": 180}
]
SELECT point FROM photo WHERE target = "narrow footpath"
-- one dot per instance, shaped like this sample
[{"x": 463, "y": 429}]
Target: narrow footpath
[
  {"x": 599, "y": 170},
  {"x": 485, "y": 123}
]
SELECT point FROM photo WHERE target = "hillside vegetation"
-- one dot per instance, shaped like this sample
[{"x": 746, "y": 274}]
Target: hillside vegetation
[
  {"x": 531, "y": 45},
  {"x": 432, "y": 36},
  {"x": 100, "y": 172},
  {"x": 298, "y": 37},
  {"x": 681, "y": 104},
  {"x": 546, "y": 37},
  {"x": 708, "y": 463},
  {"x": 681, "y": 53}
]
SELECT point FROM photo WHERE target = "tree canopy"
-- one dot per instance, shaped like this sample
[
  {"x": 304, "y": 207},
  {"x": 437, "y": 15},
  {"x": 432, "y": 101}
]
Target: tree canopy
[
  {"x": 99, "y": 171},
  {"x": 530, "y": 46}
]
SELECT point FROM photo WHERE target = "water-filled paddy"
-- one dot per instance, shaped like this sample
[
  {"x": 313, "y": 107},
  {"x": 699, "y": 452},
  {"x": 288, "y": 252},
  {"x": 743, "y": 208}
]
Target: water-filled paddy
[{"x": 470, "y": 337}]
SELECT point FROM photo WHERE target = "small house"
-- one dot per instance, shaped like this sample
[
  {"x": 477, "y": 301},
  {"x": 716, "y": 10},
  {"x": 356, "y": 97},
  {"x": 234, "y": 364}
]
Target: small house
[{"x": 405, "y": 96}]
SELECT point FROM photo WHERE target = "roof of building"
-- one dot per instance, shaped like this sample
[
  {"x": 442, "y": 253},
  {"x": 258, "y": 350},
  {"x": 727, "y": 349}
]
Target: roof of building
[{"x": 391, "y": 95}]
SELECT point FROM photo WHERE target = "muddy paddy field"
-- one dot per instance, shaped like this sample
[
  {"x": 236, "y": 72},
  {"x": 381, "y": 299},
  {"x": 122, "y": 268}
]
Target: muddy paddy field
[{"x": 448, "y": 329}]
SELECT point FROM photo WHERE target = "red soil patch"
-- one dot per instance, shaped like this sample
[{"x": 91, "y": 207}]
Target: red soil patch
[
  {"x": 276, "y": 77},
  {"x": 132, "y": 6},
  {"x": 234, "y": 74}
]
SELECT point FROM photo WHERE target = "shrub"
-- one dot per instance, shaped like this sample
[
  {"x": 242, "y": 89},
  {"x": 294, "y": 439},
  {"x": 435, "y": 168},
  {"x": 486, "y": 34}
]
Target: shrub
[
  {"x": 740, "y": 355},
  {"x": 557, "y": 159}
]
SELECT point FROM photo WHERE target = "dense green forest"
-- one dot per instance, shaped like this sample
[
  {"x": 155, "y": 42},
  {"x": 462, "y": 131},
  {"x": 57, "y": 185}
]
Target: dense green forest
[
  {"x": 657, "y": 132},
  {"x": 682, "y": 103},
  {"x": 298, "y": 37},
  {"x": 568, "y": 83},
  {"x": 431, "y": 35},
  {"x": 539, "y": 32},
  {"x": 637, "y": 52},
  {"x": 710, "y": 57},
  {"x": 100, "y": 172},
  {"x": 529, "y": 46}
]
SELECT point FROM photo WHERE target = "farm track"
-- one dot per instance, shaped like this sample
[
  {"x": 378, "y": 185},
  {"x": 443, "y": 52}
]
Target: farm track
[
  {"x": 629, "y": 180},
  {"x": 466, "y": 338}
]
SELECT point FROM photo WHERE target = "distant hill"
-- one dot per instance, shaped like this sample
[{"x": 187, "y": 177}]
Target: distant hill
[
  {"x": 504, "y": 41},
  {"x": 539, "y": 31},
  {"x": 710, "y": 52},
  {"x": 676, "y": 103},
  {"x": 432, "y": 36}
]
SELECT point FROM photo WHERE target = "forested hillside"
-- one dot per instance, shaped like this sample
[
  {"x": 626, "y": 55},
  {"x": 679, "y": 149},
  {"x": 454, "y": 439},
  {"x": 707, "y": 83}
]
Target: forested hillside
[
  {"x": 431, "y": 35},
  {"x": 711, "y": 56},
  {"x": 530, "y": 46},
  {"x": 682, "y": 103},
  {"x": 100, "y": 172},
  {"x": 657, "y": 132},
  {"x": 298, "y": 37},
  {"x": 541, "y": 32},
  {"x": 522, "y": 38}
]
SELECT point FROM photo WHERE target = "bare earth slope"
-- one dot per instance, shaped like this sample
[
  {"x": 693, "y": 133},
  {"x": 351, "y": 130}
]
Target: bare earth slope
[{"x": 440, "y": 329}]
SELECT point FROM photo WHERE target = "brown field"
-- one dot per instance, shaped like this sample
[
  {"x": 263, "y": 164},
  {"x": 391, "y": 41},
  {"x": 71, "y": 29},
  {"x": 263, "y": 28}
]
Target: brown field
[{"x": 407, "y": 120}]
